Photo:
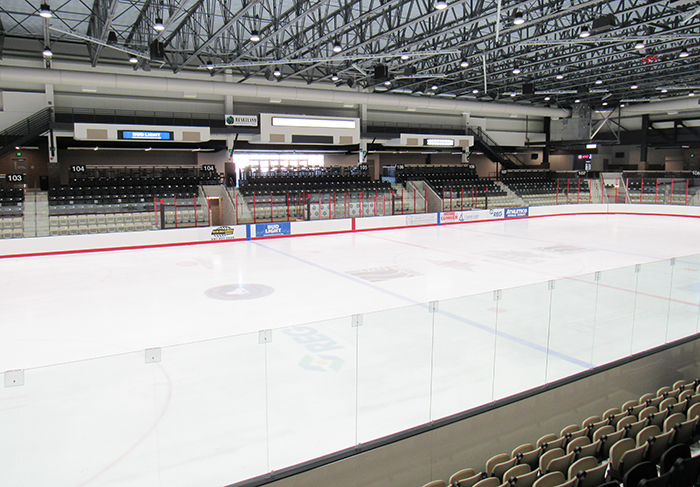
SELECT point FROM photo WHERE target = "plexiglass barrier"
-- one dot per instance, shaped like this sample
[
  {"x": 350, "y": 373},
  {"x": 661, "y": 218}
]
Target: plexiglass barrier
[{"x": 225, "y": 410}]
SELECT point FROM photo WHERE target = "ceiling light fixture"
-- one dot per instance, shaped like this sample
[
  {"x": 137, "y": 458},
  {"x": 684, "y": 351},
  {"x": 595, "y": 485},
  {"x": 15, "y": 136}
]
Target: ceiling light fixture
[
  {"x": 622, "y": 105},
  {"x": 210, "y": 65},
  {"x": 513, "y": 95},
  {"x": 633, "y": 87},
  {"x": 405, "y": 57},
  {"x": 517, "y": 71},
  {"x": 475, "y": 91},
  {"x": 387, "y": 83},
  {"x": 134, "y": 60},
  {"x": 584, "y": 33},
  {"x": 335, "y": 77},
  {"x": 518, "y": 19},
  {"x": 45, "y": 11},
  {"x": 337, "y": 47},
  {"x": 577, "y": 100},
  {"x": 47, "y": 52},
  {"x": 691, "y": 94},
  {"x": 639, "y": 45},
  {"x": 605, "y": 103},
  {"x": 599, "y": 81},
  {"x": 434, "y": 87},
  {"x": 159, "y": 25},
  {"x": 684, "y": 53},
  {"x": 254, "y": 36},
  {"x": 547, "y": 98},
  {"x": 560, "y": 76},
  {"x": 464, "y": 63},
  {"x": 441, "y": 4},
  {"x": 664, "y": 90},
  {"x": 277, "y": 73}
]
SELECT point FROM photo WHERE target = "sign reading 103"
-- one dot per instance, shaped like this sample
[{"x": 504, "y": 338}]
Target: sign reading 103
[{"x": 15, "y": 178}]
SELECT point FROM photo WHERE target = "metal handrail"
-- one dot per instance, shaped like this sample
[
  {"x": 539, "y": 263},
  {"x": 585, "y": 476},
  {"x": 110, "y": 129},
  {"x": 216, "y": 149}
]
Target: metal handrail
[
  {"x": 37, "y": 122},
  {"x": 481, "y": 134}
]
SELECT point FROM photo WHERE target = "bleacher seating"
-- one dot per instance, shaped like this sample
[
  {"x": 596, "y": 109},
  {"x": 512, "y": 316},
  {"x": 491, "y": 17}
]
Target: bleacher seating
[
  {"x": 606, "y": 448},
  {"x": 660, "y": 188},
  {"x": 312, "y": 193},
  {"x": 458, "y": 186},
  {"x": 102, "y": 200},
  {"x": 11, "y": 211},
  {"x": 11, "y": 201},
  {"x": 539, "y": 187}
]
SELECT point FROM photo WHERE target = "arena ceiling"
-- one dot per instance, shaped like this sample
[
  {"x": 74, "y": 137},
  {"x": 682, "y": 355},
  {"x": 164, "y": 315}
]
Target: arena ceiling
[{"x": 471, "y": 49}]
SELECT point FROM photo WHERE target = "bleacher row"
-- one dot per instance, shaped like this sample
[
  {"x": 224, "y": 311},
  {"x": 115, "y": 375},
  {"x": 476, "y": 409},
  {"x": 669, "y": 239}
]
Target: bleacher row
[
  {"x": 434, "y": 172},
  {"x": 322, "y": 185},
  {"x": 644, "y": 443},
  {"x": 11, "y": 201},
  {"x": 11, "y": 227},
  {"x": 121, "y": 222}
]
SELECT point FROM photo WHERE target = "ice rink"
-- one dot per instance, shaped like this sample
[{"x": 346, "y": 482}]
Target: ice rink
[{"x": 218, "y": 406}]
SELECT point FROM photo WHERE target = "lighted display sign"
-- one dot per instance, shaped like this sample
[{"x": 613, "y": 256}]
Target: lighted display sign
[
  {"x": 313, "y": 123},
  {"x": 144, "y": 135}
]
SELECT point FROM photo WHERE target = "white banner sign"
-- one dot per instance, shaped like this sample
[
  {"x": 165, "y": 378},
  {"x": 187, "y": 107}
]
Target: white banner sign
[{"x": 242, "y": 120}]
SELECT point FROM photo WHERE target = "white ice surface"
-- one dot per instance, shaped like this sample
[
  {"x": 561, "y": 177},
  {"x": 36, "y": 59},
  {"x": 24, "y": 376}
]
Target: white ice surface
[{"x": 225, "y": 409}]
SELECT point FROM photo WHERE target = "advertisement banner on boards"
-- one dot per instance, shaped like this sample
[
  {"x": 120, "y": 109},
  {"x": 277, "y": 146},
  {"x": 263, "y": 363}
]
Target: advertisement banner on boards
[
  {"x": 470, "y": 216},
  {"x": 517, "y": 212},
  {"x": 421, "y": 219},
  {"x": 272, "y": 229}
]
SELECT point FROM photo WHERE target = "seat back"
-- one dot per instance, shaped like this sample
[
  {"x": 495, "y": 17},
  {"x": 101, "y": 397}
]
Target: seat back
[
  {"x": 488, "y": 482},
  {"x": 577, "y": 443},
  {"x": 515, "y": 472},
  {"x": 673, "y": 420},
  {"x": 631, "y": 458},
  {"x": 586, "y": 463},
  {"x": 590, "y": 450},
  {"x": 502, "y": 468},
  {"x": 548, "y": 456},
  {"x": 646, "y": 432},
  {"x": 522, "y": 449},
  {"x": 685, "y": 472},
  {"x": 618, "y": 450},
  {"x": 528, "y": 479},
  {"x": 658, "y": 418},
  {"x": 531, "y": 458},
  {"x": 658, "y": 445},
  {"x": 684, "y": 431},
  {"x": 470, "y": 481},
  {"x": 669, "y": 457},
  {"x": 561, "y": 464},
  {"x": 551, "y": 479},
  {"x": 465, "y": 473},
  {"x": 593, "y": 477},
  {"x": 495, "y": 460},
  {"x": 633, "y": 429},
  {"x": 642, "y": 470},
  {"x": 607, "y": 441}
]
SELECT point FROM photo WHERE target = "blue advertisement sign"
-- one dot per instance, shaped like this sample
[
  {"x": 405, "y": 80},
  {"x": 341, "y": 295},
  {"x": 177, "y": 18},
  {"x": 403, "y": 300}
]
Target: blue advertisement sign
[
  {"x": 144, "y": 135},
  {"x": 517, "y": 212},
  {"x": 271, "y": 229}
]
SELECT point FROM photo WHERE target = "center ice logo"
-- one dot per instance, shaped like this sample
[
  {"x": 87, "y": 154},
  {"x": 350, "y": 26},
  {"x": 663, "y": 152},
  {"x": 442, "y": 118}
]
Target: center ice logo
[
  {"x": 321, "y": 363},
  {"x": 316, "y": 345}
]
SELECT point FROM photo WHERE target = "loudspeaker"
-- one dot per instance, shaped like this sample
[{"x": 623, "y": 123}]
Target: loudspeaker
[
  {"x": 380, "y": 72},
  {"x": 157, "y": 51},
  {"x": 528, "y": 88}
]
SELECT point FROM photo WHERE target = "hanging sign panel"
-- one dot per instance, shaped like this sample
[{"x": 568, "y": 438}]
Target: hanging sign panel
[{"x": 144, "y": 135}]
